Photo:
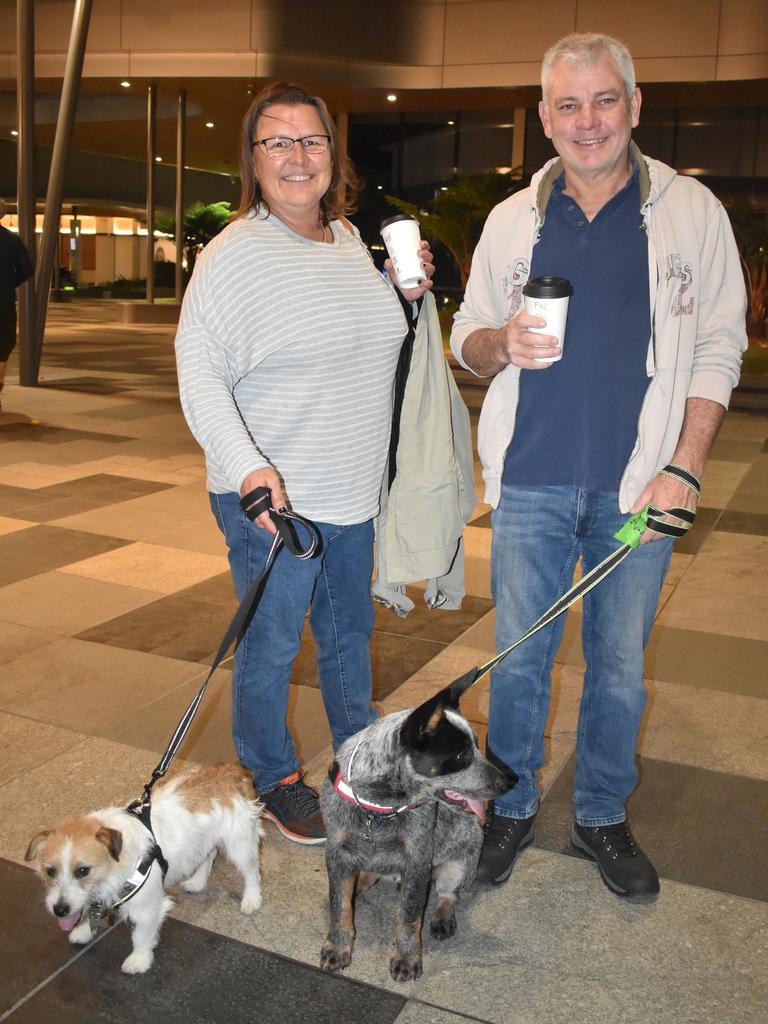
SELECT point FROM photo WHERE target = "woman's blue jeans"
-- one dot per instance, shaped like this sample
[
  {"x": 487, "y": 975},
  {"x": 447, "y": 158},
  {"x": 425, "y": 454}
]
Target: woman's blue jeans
[
  {"x": 538, "y": 535},
  {"x": 335, "y": 585}
]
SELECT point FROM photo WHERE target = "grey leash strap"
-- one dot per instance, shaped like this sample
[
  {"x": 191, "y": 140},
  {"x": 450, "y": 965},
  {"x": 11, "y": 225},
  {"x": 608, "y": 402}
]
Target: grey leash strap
[
  {"x": 650, "y": 518},
  {"x": 254, "y": 504}
]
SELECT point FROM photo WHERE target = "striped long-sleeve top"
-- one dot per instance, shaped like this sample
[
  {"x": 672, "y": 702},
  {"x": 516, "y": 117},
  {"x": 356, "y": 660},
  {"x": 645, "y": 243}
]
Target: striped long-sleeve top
[{"x": 286, "y": 354}]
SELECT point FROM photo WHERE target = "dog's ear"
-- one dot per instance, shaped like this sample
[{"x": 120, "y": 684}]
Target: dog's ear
[
  {"x": 35, "y": 843},
  {"x": 112, "y": 839},
  {"x": 423, "y": 721},
  {"x": 452, "y": 694}
]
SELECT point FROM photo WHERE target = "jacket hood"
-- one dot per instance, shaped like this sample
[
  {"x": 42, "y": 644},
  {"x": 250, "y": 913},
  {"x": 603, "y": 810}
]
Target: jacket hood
[{"x": 655, "y": 178}]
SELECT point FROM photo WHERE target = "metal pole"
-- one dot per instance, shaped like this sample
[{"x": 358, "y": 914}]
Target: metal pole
[
  {"x": 25, "y": 199},
  {"x": 49, "y": 245},
  {"x": 181, "y": 148},
  {"x": 151, "y": 134}
]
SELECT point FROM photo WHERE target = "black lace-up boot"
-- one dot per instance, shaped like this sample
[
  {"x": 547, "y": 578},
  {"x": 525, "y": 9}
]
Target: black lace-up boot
[
  {"x": 504, "y": 838},
  {"x": 624, "y": 867}
]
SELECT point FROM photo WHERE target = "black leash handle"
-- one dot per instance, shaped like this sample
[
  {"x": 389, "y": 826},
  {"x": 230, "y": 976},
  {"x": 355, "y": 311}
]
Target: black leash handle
[{"x": 253, "y": 504}]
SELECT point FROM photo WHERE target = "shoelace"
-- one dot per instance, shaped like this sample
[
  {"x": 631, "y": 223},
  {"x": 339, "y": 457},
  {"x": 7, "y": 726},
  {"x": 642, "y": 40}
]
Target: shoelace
[
  {"x": 503, "y": 827},
  {"x": 304, "y": 797},
  {"x": 619, "y": 838}
]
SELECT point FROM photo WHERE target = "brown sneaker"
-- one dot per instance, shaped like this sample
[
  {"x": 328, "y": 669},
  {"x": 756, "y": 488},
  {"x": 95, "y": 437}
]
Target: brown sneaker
[{"x": 294, "y": 807}]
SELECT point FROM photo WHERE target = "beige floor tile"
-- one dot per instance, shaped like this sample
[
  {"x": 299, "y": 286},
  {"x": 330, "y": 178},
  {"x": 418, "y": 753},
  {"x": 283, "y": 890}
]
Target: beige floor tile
[
  {"x": 706, "y": 729},
  {"x": 150, "y": 567},
  {"x": 66, "y": 603},
  {"x": 88, "y": 687},
  {"x": 203, "y": 536},
  {"x": 719, "y": 480},
  {"x": 95, "y": 773},
  {"x": 24, "y": 745},
  {"x": 717, "y": 612},
  {"x": 730, "y": 562},
  {"x": 477, "y": 576},
  {"x": 9, "y": 525},
  {"x": 17, "y": 640},
  {"x": 678, "y": 567},
  {"x": 129, "y": 520}
]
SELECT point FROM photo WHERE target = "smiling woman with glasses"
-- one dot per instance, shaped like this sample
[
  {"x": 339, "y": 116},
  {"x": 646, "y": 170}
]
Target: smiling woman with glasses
[
  {"x": 281, "y": 145},
  {"x": 287, "y": 349}
]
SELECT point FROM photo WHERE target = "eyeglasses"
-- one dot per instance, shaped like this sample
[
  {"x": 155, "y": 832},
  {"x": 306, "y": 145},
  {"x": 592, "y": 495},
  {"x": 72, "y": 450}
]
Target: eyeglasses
[{"x": 282, "y": 145}]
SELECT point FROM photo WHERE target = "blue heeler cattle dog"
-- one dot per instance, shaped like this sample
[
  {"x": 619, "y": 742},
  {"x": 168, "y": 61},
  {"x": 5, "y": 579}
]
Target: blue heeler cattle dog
[{"x": 404, "y": 797}]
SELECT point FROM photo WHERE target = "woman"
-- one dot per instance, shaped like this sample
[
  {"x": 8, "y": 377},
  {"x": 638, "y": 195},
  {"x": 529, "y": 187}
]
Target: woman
[
  {"x": 286, "y": 350},
  {"x": 15, "y": 267}
]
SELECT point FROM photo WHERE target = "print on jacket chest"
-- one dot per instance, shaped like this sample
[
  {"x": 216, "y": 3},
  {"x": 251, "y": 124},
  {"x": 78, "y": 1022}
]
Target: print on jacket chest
[
  {"x": 515, "y": 276},
  {"x": 682, "y": 270}
]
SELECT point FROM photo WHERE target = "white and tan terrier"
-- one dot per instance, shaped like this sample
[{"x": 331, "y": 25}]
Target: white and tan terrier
[{"x": 86, "y": 862}]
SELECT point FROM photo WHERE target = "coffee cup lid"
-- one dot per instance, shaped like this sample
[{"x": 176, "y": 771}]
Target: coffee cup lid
[
  {"x": 397, "y": 217},
  {"x": 548, "y": 288}
]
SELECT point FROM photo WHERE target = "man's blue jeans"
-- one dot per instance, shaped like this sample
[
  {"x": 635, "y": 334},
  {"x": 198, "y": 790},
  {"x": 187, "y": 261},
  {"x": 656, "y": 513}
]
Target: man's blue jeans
[
  {"x": 538, "y": 535},
  {"x": 336, "y": 585}
]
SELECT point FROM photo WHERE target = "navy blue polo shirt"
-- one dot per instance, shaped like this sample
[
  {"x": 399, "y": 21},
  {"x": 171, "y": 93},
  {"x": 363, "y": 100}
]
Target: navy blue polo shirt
[{"x": 577, "y": 421}]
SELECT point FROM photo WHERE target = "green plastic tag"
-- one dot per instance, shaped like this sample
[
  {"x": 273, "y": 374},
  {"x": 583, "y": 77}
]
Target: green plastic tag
[{"x": 633, "y": 529}]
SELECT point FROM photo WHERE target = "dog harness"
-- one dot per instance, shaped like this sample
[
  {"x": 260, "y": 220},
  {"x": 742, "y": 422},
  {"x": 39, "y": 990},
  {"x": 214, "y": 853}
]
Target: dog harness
[{"x": 132, "y": 885}]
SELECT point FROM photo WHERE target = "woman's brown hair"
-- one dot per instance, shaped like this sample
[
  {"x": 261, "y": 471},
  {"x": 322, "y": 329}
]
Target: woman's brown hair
[{"x": 342, "y": 171}]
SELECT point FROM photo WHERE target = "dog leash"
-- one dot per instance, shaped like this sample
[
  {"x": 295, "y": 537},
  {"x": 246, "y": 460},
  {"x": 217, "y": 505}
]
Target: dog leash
[
  {"x": 253, "y": 504},
  {"x": 651, "y": 518}
]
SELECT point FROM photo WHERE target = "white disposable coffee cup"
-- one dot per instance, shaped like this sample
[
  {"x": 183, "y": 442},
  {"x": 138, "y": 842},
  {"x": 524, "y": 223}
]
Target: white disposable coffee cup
[
  {"x": 402, "y": 236},
  {"x": 548, "y": 297}
]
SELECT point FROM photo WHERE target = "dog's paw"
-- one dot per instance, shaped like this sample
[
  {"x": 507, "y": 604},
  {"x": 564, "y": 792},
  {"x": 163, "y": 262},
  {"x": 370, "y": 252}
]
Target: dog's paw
[
  {"x": 405, "y": 968},
  {"x": 82, "y": 934},
  {"x": 138, "y": 962},
  {"x": 250, "y": 902},
  {"x": 334, "y": 958},
  {"x": 442, "y": 928}
]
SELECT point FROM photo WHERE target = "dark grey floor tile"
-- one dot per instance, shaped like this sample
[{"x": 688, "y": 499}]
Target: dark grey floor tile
[
  {"x": 88, "y": 385},
  {"x": 42, "y": 548},
  {"x": 177, "y": 626},
  {"x": 483, "y": 521},
  {"x": 32, "y": 947},
  {"x": 755, "y": 523},
  {"x": 432, "y": 623},
  {"x": 706, "y": 520},
  {"x": 750, "y": 495},
  {"x": 199, "y": 977},
  {"x": 217, "y": 590},
  {"x": 727, "y": 450},
  {"x": 393, "y": 660},
  {"x": 34, "y": 431},
  {"x": 701, "y": 827},
  {"x": 713, "y": 662}
]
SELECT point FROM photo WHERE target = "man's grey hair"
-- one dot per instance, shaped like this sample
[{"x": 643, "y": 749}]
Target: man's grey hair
[{"x": 582, "y": 50}]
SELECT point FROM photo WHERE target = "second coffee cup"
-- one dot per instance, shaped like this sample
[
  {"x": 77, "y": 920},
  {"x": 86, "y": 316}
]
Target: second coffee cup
[
  {"x": 402, "y": 236},
  {"x": 548, "y": 297}
]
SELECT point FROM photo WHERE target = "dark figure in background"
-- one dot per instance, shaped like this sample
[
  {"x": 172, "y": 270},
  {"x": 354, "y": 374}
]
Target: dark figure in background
[{"x": 15, "y": 267}]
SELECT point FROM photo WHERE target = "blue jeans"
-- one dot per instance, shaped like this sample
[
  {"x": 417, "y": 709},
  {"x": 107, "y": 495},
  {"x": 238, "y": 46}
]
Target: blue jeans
[
  {"x": 538, "y": 535},
  {"x": 335, "y": 584}
]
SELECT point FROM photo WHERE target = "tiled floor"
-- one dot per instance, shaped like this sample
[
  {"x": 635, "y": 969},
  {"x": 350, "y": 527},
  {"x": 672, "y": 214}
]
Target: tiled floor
[{"x": 114, "y": 593}]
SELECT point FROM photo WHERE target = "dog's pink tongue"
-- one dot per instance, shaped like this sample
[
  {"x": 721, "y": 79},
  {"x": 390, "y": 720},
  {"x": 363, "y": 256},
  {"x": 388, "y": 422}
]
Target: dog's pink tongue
[
  {"x": 68, "y": 923},
  {"x": 477, "y": 807}
]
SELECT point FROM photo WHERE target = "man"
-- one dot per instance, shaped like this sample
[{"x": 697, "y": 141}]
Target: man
[
  {"x": 15, "y": 267},
  {"x": 652, "y": 351}
]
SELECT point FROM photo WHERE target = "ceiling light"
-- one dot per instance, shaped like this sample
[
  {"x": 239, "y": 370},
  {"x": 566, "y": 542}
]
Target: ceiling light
[
  {"x": 209, "y": 124},
  {"x": 391, "y": 97},
  {"x": 450, "y": 122},
  {"x": 125, "y": 84},
  {"x": 14, "y": 132},
  {"x": 158, "y": 159}
]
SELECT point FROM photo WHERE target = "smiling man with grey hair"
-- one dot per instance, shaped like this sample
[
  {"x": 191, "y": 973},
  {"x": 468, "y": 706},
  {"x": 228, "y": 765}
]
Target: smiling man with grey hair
[{"x": 625, "y": 419}]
